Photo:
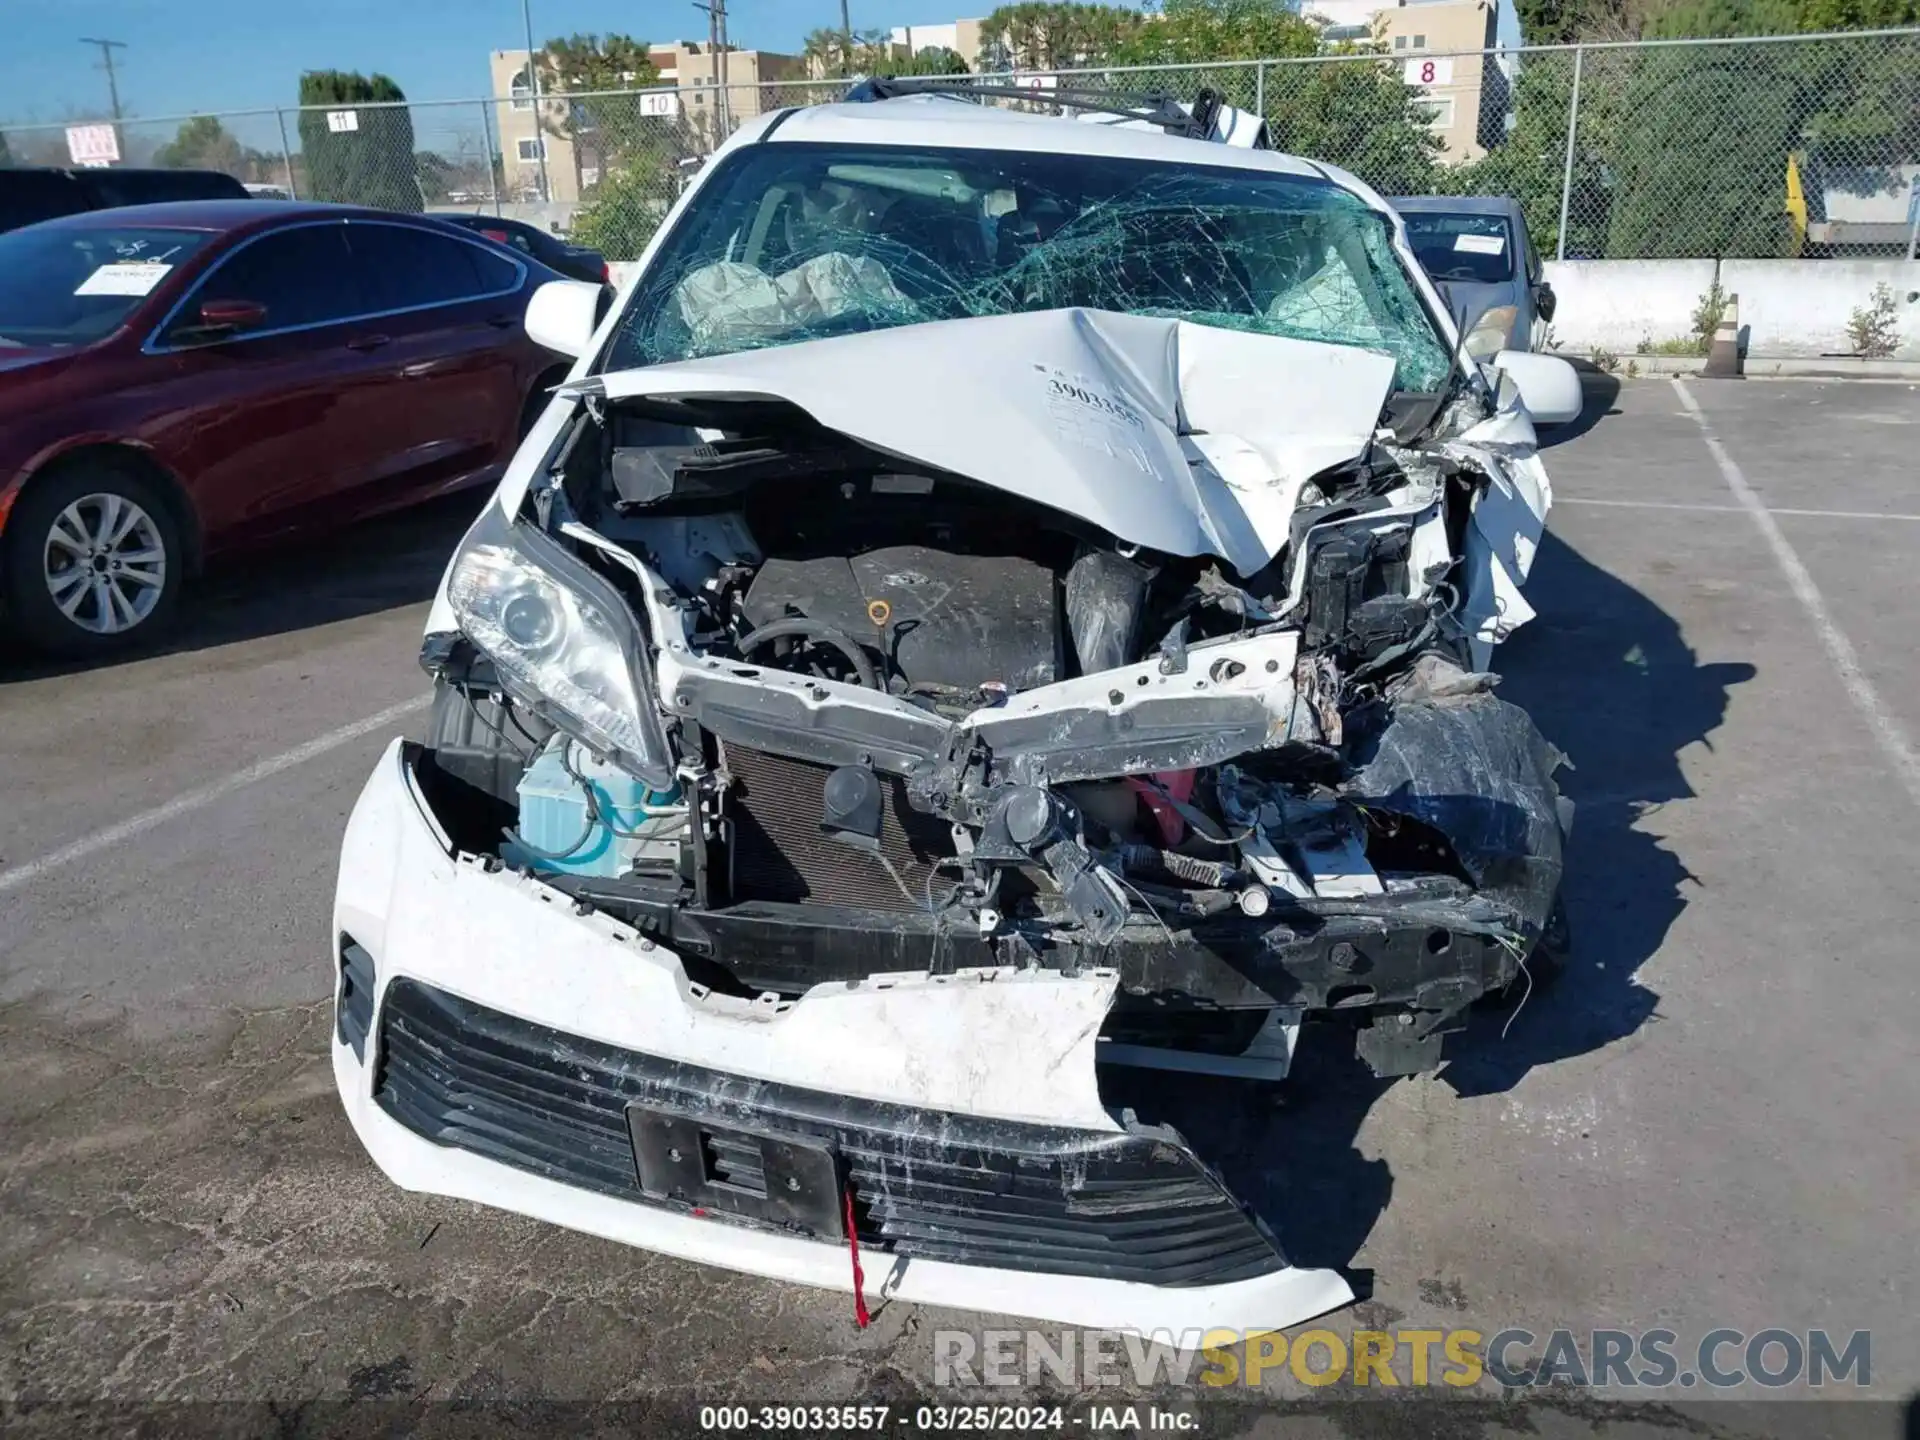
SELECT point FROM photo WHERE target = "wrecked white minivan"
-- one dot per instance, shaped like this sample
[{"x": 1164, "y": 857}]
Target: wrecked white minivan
[{"x": 998, "y": 598}]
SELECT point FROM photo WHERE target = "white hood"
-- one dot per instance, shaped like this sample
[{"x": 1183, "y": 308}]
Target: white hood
[{"x": 1183, "y": 438}]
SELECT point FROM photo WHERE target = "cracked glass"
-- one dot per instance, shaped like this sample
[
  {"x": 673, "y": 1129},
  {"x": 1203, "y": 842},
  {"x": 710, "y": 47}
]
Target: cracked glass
[{"x": 793, "y": 242}]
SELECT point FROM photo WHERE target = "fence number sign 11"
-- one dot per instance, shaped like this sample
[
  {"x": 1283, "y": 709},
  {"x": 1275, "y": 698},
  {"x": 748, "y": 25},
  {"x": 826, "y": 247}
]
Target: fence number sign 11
[{"x": 342, "y": 122}]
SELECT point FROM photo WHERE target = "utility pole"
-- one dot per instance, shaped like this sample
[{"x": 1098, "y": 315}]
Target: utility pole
[
  {"x": 717, "y": 65},
  {"x": 846, "y": 41},
  {"x": 539, "y": 116},
  {"x": 107, "y": 47},
  {"x": 726, "y": 95}
]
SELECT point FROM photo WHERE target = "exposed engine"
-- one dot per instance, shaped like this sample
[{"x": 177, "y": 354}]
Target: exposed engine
[{"x": 897, "y": 692}]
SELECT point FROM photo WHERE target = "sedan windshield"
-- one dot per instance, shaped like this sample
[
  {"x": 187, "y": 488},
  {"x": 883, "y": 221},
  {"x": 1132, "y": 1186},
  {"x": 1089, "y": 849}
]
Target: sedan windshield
[
  {"x": 61, "y": 285},
  {"x": 1474, "y": 248},
  {"x": 792, "y": 242}
]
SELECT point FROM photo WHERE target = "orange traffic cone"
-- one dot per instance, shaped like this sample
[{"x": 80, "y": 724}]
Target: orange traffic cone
[{"x": 1723, "y": 357}]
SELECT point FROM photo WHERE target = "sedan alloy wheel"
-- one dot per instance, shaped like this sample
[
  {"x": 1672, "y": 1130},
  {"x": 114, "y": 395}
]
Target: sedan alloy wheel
[{"x": 105, "y": 563}]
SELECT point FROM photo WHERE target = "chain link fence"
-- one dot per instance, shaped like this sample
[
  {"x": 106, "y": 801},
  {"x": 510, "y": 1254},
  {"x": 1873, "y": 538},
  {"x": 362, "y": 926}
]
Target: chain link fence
[{"x": 1802, "y": 146}]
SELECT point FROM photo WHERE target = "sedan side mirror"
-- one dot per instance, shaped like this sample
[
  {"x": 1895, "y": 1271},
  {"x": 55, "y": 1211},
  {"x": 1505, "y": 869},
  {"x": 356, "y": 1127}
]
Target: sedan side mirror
[
  {"x": 1543, "y": 301},
  {"x": 1549, "y": 387},
  {"x": 221, "y": 320}
]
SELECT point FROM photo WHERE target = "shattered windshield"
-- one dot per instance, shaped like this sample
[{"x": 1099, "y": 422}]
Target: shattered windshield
[{"x": 793, "y": 242}]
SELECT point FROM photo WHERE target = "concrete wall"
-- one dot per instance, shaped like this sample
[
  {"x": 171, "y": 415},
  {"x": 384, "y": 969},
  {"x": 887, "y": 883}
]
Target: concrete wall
[
  {"x": 1615, "y": 304},
  {"x": 1801, "y": 307},
  {"x": 1788, "y": 308}
]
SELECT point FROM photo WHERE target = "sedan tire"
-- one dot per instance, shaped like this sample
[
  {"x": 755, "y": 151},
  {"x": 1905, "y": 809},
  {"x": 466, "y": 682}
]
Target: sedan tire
[{"x": 92, "y": 560}]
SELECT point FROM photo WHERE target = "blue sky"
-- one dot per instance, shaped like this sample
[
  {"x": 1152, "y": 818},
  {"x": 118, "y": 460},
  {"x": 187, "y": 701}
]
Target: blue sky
[{"x": 236, "y": 54}]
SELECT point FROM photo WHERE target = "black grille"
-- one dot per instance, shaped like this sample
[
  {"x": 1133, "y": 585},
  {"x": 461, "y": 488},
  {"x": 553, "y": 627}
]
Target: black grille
[
  {"x": 779, "y": 852},
  {"x": 1070, "y": 1202},
  {"x": 354, "y": 1014}
]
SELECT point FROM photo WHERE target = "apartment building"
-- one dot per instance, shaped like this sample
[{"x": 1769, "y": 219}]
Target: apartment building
[
  {"x": 1436, "y": 43},
  {"x": 963, "y": 37},
  {"x": 711, "y": 94}
]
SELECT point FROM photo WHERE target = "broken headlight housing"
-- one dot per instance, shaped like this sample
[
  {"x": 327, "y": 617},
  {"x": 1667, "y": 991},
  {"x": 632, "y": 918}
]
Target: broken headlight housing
[{"x": 562, "y": 641}]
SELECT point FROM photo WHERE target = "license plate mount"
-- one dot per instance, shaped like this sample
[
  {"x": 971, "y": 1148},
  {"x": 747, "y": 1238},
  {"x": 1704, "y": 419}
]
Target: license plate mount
[{"x": 791, "y": 1181}]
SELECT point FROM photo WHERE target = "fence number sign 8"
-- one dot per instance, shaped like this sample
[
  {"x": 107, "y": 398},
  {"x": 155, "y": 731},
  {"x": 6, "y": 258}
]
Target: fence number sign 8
[{"x": 1435, "y": 71}]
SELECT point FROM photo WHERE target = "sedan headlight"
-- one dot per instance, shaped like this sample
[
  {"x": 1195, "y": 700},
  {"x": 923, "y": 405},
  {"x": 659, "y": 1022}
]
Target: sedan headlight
[
  {"x": 562, "y": 640},
  {"x": 1491, "y": 332}
]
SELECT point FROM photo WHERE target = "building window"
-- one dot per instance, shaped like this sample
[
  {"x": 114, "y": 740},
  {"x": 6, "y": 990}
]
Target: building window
[
  {"x": 1399, "y": 42},
  {"x": 522, "y": 92},
  {"x": 1439, "y": 112},
  {"x": 1419, "y": 42},
  {"x": 529, "y": 150}
]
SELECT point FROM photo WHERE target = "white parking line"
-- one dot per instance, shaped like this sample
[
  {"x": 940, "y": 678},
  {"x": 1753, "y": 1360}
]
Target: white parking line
[
  {"x": 1731, "y": 509},
  {"x": 199, "y": 799},
  {"x": 1886, "y": 729}
]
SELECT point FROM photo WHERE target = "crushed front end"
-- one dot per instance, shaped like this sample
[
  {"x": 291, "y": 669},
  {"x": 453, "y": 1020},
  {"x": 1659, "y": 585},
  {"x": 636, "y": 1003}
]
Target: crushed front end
[{"x": 805, "y": 819}]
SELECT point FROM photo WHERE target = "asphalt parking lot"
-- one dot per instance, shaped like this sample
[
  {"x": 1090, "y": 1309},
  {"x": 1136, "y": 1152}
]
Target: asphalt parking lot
[{"x": 1708, "y": 1122}]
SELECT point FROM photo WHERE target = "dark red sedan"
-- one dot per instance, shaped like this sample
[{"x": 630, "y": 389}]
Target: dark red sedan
[{"x": 177, "y": 380}]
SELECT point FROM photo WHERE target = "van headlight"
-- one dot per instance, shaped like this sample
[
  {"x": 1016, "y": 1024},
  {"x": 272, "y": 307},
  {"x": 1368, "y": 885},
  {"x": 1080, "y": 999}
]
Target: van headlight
[
  {"x": 562, "y": 640},
  {"x": 1491, "y": 332}
]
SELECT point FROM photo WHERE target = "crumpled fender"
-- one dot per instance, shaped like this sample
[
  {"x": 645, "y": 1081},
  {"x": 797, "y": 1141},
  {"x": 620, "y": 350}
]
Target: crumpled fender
[{"x": 1503, "y": 534}]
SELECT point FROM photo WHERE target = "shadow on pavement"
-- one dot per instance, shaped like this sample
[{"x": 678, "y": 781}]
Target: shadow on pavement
[
  {"x": 1610, "y": 680},
  {"x": 375, "y": 566},
  {"x": 1599, "y": 390}
]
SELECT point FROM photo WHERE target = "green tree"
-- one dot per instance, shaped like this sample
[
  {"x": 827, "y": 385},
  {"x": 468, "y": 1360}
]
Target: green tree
[
  {"x": 827, "y": 52},
  {"x": 830, "y": 52},
  {"x": 1357, "y": 113},
  {"x": 370, "y": 164},
  {"x": 930, "y": 60},
  {"x": 202, "y": 143},
  {"x": 1857, "y": 14},
  {"x": 1529, "y": 164},
  {"x": 1702, "y": 168},
  {"x": 624, "y": 210},
  {"x": 1052, "y": 35},
  {"x": 1194, "y": 32},
  {"x": 607, "y": 131},
  {"x": 1361, "y": 115}
]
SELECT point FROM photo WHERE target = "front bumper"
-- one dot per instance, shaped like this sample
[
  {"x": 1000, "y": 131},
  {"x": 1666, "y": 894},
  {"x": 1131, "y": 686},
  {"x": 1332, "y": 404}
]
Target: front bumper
[{"x": 491, "y": 1041}]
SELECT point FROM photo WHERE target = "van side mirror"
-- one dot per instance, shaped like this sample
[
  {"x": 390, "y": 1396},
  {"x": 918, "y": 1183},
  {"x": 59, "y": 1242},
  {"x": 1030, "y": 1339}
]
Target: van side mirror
[
  {"x": 1549, "y": 387},
  {"x": 562, "y": 316}
]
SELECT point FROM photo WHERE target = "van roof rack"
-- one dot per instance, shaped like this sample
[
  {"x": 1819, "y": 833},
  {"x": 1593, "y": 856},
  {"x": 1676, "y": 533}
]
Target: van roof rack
[{"x": 1194, "y": 122}]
